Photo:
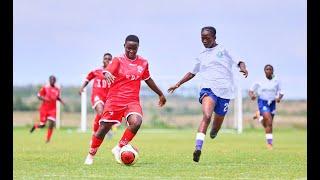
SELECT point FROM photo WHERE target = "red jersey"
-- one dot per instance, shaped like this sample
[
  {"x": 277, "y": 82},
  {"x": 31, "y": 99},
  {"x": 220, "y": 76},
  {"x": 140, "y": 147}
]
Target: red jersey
[
  {"x": 51, "y": 94},
  {"x": 128, "y": 76},
  {"x": 100, "y": 85}
]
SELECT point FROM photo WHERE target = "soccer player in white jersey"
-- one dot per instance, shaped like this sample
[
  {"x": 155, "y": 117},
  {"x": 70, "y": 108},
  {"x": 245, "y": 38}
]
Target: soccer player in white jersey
[
  {"x": 269, "y": 92},
  {"x": 214, "y": 64}
]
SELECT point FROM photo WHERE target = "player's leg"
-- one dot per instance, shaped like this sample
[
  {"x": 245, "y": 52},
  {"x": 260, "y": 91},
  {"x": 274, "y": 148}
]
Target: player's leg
[
  {"x": 207, "y": 109},
  {"x": 134, "y": 123},
  {"x": 97, "y": 139},
  {"x": 133, "y": 115},
  {"x": 216, "y": 125},
  {"x": 220, "y": 109},
  {"x": 42, "y": 124},
  {"x": 109, "y": 117},
  {"x": 99, "y": 110},
  {"x": 51, "y": 125},
  {"x": 267, "y": 118},
  {"x": 98, "y": 106}
]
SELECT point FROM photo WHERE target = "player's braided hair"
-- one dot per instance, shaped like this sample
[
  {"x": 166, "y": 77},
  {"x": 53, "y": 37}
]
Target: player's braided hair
[
  {"x": 133, "y": 38},
  {"x": 209, "y": 28}
]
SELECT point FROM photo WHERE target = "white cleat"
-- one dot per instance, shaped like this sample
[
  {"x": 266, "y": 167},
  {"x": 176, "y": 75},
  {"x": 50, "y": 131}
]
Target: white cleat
[
  {"x": 116, "y": 152},
  {"x": 89, "y": 160}
]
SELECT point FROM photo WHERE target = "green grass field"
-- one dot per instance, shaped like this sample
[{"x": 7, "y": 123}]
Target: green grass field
[{"x": 164, "y": 154}]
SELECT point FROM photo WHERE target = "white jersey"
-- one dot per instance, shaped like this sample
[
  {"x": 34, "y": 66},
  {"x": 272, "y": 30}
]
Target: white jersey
[
  {"x": 215, "y": 68},
  {"x": 267, "y": 89}
]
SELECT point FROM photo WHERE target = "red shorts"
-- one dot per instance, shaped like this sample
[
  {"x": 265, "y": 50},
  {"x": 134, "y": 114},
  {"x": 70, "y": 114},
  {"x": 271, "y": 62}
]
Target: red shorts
[
  {"x": 113, "y": 113},
  {"x": 97, "y": 98},
  {"x": 47, "y": 114}
]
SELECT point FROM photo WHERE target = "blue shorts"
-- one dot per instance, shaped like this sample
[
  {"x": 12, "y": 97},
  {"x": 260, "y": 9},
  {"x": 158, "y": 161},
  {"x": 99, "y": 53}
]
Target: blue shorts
[
  {"x": 221, "y": 106},
  {"x": 265, "y": 106}
]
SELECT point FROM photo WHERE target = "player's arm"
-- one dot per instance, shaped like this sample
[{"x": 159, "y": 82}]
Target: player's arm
[
  {"x": 241, "y": 65},
  {"x": 252, "y": 89},
  {"x": 85, "y": 83},
  {"x": 155, "y": 88},
  {"x": 62, "y": 102},
  {"x": 186, "y": 78},
  {"x": 41, "y": 94},
  {"x": 252, "y": 95},
  {"x": 89, "y": 77},
  {"x": 60, "y": 99},
  {"x": 109, "y": 72},
  {"x": 278, "y": 99},
  {"x": 280, "y": 93},
  {"x": 42, "y": 98},
  {"x": 243, "y": 68}
]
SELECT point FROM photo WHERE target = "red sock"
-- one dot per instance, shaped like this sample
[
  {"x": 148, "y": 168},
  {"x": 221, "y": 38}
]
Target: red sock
[
  {"x": 126, "y": 137},
  {"x": 95, "y": 144},
  {"x": 35, "y": 126},
  {"x": 49, "y": 133},
  {"x": 96, "y": 123}
]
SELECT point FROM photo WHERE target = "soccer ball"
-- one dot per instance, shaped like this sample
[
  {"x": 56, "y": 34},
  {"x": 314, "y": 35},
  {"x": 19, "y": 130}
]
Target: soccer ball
[{"x": 129, "y": 155}]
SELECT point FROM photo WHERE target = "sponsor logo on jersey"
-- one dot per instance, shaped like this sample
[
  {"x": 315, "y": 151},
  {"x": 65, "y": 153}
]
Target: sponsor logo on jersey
[{"x": 96, "y": 98}]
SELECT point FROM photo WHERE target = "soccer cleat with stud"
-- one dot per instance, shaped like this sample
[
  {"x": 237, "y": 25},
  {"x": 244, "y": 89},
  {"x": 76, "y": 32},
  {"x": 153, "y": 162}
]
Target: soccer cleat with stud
[
  {"x": 116, "y": 152},
  {"x": 89, "y": 160},
  {"x": 32, "y": 129},
  {"x": 213, "y": 134},
  {"x": 196, "y": 155}
]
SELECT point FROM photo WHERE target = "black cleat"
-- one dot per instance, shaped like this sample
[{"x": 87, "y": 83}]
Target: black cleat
[
  {"x": 213, "y": 134},
  {"x": 196, "y": 155},
  {"x": 32, "y": 129}
]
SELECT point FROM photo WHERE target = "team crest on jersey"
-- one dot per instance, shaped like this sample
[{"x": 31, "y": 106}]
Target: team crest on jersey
[
  {"x": 219, "y": 54},
  {"x": 96, "y": 98},
  {"x": 140, "y": 69}
]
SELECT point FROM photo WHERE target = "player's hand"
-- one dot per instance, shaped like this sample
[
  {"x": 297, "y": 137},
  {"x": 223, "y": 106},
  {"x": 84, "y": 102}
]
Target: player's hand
[
  {"x": 109, "y": 77},
  {"x": 172, "y": 88},
  {"x": 245, "y": 72},
  {"x": 80, "y": 91},
  {"x": 253, "y": 97},
  {"x": 278, "y": 100},
  {"x": 45, "y": 99},
  {"x": 162, "y": 100}
]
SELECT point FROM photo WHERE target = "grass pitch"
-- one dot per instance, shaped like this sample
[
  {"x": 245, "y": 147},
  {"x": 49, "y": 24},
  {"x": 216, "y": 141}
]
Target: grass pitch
[{"x": 164, "y": 154}]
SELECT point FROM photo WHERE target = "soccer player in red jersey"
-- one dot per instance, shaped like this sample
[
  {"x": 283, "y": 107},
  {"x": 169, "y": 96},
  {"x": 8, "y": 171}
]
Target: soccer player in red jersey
[
  {"x": 48, "y": 94},
  {"x": 125, "y": 74},
  {"x": 99, "y": 89}
]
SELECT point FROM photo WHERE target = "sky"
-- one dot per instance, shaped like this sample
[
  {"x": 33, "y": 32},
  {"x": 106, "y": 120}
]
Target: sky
[{"x": 69, "y": 38}]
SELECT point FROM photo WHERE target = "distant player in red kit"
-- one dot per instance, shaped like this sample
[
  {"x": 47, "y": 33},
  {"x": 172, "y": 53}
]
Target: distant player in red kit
[
  {"x": 125, "y": 74},
  {"x": 48, "y": 94},
  {"x": 99, "y": 89}
]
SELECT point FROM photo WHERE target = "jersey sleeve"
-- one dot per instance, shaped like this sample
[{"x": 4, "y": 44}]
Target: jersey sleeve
[
  {"x": 42, "y": 92},
  {"x": 254, "y": 86},
  {"x": 234, "y": 59},
  {"x": 90, "y": 76},
  {"x": 146, "y": 73},
  {"x": 113, "y": 66},
  {"x": 196, "y": 66}
]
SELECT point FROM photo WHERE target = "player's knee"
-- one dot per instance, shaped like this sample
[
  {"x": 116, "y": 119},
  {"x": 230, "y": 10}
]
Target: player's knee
[
  {"x": 41, "y": 126},
  {"x": 207, "y": 117}
]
